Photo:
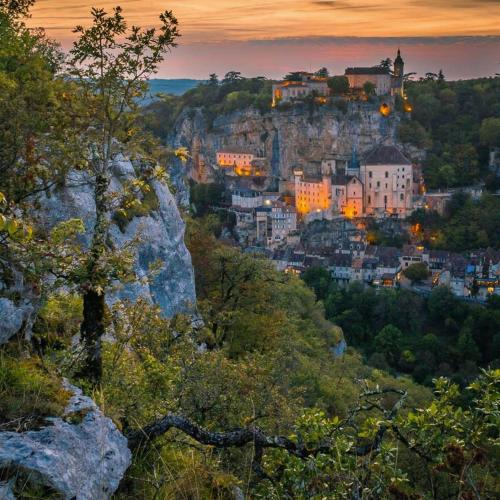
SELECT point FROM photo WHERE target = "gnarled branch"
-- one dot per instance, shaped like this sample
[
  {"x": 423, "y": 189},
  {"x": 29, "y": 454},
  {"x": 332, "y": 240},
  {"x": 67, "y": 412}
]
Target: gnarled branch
[{"x": 246, "y": 435}]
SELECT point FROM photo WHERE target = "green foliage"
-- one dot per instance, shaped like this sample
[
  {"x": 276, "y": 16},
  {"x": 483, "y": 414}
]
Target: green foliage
[
  {"x": 213, "y": 98},
  {"x": 489, "y": 132},
  {"x": 417, "y": 272},
  {"x": 457, "y": 121},
  {"x": 447, "y": 449},
  {"x": 339, "y": 84},
  {"x": 412, "y": 132},
  {"x": 203, "y": 197},
  {"x": 468, "y": 224},
  {"x": 398, "y": 330},
  {"x": 136, "y": 207}
]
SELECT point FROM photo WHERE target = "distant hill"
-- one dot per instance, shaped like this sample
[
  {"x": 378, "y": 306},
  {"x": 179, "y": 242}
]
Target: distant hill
[{"x": 171, "y": 86}]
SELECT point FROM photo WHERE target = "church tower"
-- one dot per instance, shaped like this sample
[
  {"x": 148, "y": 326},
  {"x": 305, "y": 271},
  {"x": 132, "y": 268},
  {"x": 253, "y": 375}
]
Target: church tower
[
  {"x": 397, "y": 78},
  {"x": 399, "y": 66}
]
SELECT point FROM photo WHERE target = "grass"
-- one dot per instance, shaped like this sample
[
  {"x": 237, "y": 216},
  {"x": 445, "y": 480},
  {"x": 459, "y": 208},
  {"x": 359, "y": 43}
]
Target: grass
[{"x": 28, "y": 394}]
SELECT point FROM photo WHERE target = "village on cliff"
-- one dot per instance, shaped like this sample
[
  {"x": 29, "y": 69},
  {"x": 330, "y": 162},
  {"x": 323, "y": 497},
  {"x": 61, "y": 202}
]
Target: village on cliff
[{"x": 318, "y": 216}]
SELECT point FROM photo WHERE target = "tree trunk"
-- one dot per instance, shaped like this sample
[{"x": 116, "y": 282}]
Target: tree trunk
[
  {"x": 91, "y": 331},
  {"x": 92, "y": 328}
]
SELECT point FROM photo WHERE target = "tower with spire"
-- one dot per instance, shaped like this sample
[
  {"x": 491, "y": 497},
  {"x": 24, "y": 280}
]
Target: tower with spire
[{"x": 397, "y": 78}]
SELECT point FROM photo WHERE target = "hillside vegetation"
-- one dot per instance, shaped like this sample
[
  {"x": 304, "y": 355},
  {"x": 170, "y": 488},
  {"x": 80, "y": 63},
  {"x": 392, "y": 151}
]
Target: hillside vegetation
[{"x": 252, "y": 394}]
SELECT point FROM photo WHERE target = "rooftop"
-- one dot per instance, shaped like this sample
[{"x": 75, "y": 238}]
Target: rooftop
[
  {"x": 373, "y": 70},
  {"x": 386, "y": 155}
]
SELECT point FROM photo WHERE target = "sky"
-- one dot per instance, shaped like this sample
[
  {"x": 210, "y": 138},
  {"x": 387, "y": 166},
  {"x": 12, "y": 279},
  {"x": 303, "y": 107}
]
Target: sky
[{"x": 271, "y": 38}]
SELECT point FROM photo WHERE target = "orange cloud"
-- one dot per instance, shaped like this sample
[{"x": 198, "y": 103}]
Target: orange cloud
[{"x": 223, "y": 20}]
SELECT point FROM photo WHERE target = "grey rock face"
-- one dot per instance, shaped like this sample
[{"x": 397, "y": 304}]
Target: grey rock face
[
  {"x": 161, "y": 234},
  {"x": 84, "y": 461},
  {"x": 17, "y": 307},
  {"x": 285, "y": 138},
  {"x": 11, "y": 319}
]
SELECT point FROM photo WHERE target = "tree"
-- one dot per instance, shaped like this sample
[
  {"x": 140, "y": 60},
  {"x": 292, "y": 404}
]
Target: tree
[
  {"x": 369, "y": 88},
  {"x": 447, "y": 175},
  {"x": 417, "y": 272},
  {"x": 110, "y": 63},
  {"x": 386, "y": 63},
  {"x": 231, "y": 77},
  {"x": 339, "y": 84},
  {"x": 322, "y": 72},
  {"x": 213, "y": 79},
  {"x": 489, "y": 132},
  {"x": 388, "y": 342},
  {"x": 412, "y": 132},
  {"x": 319, "y": 279}
]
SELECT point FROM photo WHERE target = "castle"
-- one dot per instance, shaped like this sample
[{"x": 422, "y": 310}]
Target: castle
[{"x": 381, "y": 77}]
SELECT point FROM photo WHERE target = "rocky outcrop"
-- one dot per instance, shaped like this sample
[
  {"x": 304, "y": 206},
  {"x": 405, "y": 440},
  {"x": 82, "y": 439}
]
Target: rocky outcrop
[
  {"x": 286, "y": 138},
  {"x": 161, "y": 234},
  {"x": 18, "y": 304},
  {"x": 80, "y": 456}
]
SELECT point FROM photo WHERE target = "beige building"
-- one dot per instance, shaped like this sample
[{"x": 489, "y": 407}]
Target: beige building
[
  {"x": 306, "y": 84},
  {"x": 347, "y": 195},
  {"x": 234, "y": 158},
  {"x": 387, "y": 176},
  {"x": 312, "y": 194},
  {"x": 385, "y": 81}
]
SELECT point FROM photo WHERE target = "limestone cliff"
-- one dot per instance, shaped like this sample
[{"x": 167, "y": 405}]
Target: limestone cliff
[
  {"x": 286, "y": 138},
  {"x": 161, "y": 233}
]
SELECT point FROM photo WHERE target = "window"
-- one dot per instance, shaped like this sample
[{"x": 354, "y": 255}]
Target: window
[
  {"x": 378, "y": 184},
  {"x": 386, "y": 185},
  {"x": 369, "y": 199},
  {"x": 385, "y": 200},
  {"x": 370, "y": 174},
  {"x": 401, "y": 197},
  {"x": 386, "y": 175}
]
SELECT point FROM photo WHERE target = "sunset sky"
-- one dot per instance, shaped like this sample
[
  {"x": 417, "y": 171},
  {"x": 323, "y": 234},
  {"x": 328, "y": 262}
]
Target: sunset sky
[{"x": 261, "y": 37}]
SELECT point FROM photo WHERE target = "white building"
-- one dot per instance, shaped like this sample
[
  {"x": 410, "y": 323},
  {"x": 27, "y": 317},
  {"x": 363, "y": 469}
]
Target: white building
[{"x": 387, "y": 176}]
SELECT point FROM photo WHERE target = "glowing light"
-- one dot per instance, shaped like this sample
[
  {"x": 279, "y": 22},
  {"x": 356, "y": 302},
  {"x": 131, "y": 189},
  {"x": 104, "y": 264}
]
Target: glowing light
[
  {"x": 385, "y": 109},
  {"x": 407, "y": 107}
]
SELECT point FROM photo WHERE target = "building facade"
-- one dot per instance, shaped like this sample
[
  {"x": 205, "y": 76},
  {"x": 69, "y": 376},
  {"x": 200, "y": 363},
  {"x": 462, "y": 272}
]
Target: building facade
[
  {"x": 305, "y": 84},
  {"x": 234, "y": 158},
  {"x": 312, "y": 194},
  {"x": 381, "y": 77},
  {"x": 387, "y": 176},
  {"x": 275, "y": 222}
]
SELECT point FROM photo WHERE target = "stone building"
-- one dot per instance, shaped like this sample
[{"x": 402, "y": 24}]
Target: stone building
[
  {"x": 275, "y": 222},
  {"x": 385, "y": 81},
  {"x": 387, "y": 176},
  {"x": 306, "y": 84},
  {"x": 312, "y": 193}
]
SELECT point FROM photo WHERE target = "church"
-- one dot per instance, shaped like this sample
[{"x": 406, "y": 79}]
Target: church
[{"x": 385, "y": 81}]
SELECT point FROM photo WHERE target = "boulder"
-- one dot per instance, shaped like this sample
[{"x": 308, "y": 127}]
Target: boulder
[{"x": 81, "y": 456}]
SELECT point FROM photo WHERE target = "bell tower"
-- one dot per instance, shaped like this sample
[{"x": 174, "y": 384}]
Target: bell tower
[
  {"x": 399, "y": 66},
  {"x": 398, "y": 76}
]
